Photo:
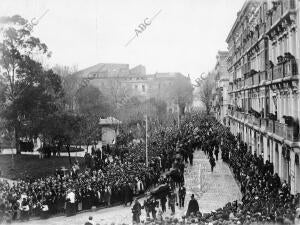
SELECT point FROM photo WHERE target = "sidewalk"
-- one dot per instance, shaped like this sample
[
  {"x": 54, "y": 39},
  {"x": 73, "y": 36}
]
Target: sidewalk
[{"x": 212, "y": 190}]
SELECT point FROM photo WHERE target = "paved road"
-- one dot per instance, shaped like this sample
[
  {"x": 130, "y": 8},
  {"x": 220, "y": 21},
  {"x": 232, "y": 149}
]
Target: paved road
[{"x": 212, "y": 190}]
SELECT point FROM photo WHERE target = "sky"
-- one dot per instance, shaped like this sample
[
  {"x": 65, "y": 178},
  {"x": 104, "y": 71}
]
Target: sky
[{"x": 185, "y": 35}]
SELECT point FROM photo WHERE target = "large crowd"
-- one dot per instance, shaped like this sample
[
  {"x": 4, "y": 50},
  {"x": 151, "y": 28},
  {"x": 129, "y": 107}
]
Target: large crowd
[
  {"x": 119, "y": 175},
  {"x": 266, "y": 199},
  {"x": 106, "y": 181}
]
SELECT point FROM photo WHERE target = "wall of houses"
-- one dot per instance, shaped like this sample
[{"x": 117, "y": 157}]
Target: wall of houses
[{"x": 263, "y": 64}]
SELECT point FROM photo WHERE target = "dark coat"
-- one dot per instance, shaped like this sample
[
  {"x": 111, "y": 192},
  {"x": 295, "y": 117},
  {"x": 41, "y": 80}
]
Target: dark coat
[{"x": 193, "y": 207}]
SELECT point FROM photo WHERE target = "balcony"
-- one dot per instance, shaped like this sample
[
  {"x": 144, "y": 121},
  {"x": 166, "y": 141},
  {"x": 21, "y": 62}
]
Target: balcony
[
  {"x": 292, "y": 133},
  {"x": 262, "y": 76},
  {"x": 290, "y": 67},
  {"x": 270, "y": 126},
  {"x": 256, "y": 121},
  {"x": 279, "y": 129},
  {"x": 248, "y": 117},
  {"x": 240, "y": 116},
  {"x": 270, "y": 74},
  {"x": 278, "y": 72},
  {"x": 264, "y": 123},
  {"x": 249, "y": 81},
  {"x": 256, "y": 79}
]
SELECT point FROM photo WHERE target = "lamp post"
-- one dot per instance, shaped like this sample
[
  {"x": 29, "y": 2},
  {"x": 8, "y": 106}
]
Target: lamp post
[
  {"x": 146, "y": 118},
  {"x": 178, "y": 114}
]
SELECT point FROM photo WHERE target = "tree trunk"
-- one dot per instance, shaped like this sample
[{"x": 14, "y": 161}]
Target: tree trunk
[
  {"x": 207, "y": 109},
  {"x": 17, "y": 141}
]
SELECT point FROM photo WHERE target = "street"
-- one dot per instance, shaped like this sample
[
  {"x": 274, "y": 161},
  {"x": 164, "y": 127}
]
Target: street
[{"x": 212, "y": 190}]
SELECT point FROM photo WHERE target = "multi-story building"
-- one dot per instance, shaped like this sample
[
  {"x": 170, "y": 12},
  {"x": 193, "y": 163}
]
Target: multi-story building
[
  {"x": 220, "y": 101},
  {"x": 263, "y": 63},
  {"x": 119, "y": 81}
]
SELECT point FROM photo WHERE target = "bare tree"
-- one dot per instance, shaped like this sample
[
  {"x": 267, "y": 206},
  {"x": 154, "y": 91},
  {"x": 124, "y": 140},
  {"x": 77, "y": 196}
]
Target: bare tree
[
  {"x": 70, "y": 83},
  {"x": 205, "y": 90},
  {"x": 118, "y": 92},
  {"x": 181, "y": 92}
]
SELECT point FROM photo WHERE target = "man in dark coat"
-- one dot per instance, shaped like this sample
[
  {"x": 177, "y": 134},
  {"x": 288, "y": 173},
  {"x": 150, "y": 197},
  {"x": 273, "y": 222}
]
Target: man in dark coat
[
  {"x": 136, "y": 211},
  {"x": 191, "y": 156},
  {"x": 217, "y": 152},
  {"x": 172, "y": 202},
  {"x": 163, "y": 201},
  {"x": 127, "y": 194},
  {"x": 181, "y": 195},
  {"x": 212, "y": 163},
  {"x": 193, "y": 206},
  {"x": 152, "y": 206}
]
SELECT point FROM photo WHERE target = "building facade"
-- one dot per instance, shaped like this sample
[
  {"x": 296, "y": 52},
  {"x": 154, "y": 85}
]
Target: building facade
[
  {"x": 120, "y": 80},
  {"x": 220, "y": 101},
  {"x": 263, "y": 65}
]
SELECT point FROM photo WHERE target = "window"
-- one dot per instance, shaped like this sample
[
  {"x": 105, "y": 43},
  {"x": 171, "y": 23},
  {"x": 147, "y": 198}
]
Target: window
[
  {"x": 143, "y": 88},
  {"x": 136, "y": 87}
]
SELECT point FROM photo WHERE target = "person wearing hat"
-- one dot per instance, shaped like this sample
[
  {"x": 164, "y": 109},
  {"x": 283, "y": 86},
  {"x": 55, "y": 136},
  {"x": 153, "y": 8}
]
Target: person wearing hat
[{"x": 193, "y": 206}]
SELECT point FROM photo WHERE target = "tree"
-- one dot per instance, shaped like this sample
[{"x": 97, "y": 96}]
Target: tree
[
  {"x": 62, "y": 128},
  {"x": 70, "y": 84},
  {"x": 91, "y": 101},
  {"x": 205, "y": 92},
  {"x": 92, "y": 105},
  {"x": 181, "y": 92},
  {"x": 117, "y": 93},
  {"x": 30, "y": 91}
]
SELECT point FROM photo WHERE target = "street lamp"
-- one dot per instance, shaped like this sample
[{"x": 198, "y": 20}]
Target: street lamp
[{"x": 146, "y": 118}]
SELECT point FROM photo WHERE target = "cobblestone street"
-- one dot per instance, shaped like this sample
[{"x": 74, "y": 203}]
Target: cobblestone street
[{"x": 212, "y": 190}]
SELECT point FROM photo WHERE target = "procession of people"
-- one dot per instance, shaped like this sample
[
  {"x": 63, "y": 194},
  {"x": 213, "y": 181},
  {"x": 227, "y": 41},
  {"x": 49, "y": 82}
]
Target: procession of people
[{"x": 118, "y": 177}]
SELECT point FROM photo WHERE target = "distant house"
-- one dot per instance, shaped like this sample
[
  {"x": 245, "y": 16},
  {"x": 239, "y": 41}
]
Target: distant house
[
  {"x": 109, "y": 130},
  {"x": 115, "y": 78}
]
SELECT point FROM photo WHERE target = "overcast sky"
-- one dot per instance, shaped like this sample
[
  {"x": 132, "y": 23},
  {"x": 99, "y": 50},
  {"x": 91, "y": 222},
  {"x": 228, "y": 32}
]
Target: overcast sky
[{"x": 184, "y": 37}]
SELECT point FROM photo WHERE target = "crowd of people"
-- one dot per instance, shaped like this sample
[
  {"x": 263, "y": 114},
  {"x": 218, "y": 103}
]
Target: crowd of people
[
  {"x": 120, "y": 174},
  {"x": 108, "y": 181},
  {"x": 266, "y": 199}
]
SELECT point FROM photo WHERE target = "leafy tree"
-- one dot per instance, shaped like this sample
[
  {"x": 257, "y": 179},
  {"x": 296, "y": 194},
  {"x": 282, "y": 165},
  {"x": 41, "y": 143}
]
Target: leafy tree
[
  {"x": 30, "y": 91},
  {"x": 62, "y": 129},
  {"x": 91, "y": 101},
  {"x": 92, "y": 105}
]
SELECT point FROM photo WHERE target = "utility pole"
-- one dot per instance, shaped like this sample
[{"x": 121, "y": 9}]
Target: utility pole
[
  {"x": 146, "y": 140},
  {"x": 178, "y": 114}
]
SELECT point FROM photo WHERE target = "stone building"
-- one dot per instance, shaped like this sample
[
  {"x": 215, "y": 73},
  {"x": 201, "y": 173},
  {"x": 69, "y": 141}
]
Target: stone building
[
  {"x": 221, "y": 78},
  {"x": 118, "y": 80},
  {"x": 263, "y": 65}
]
